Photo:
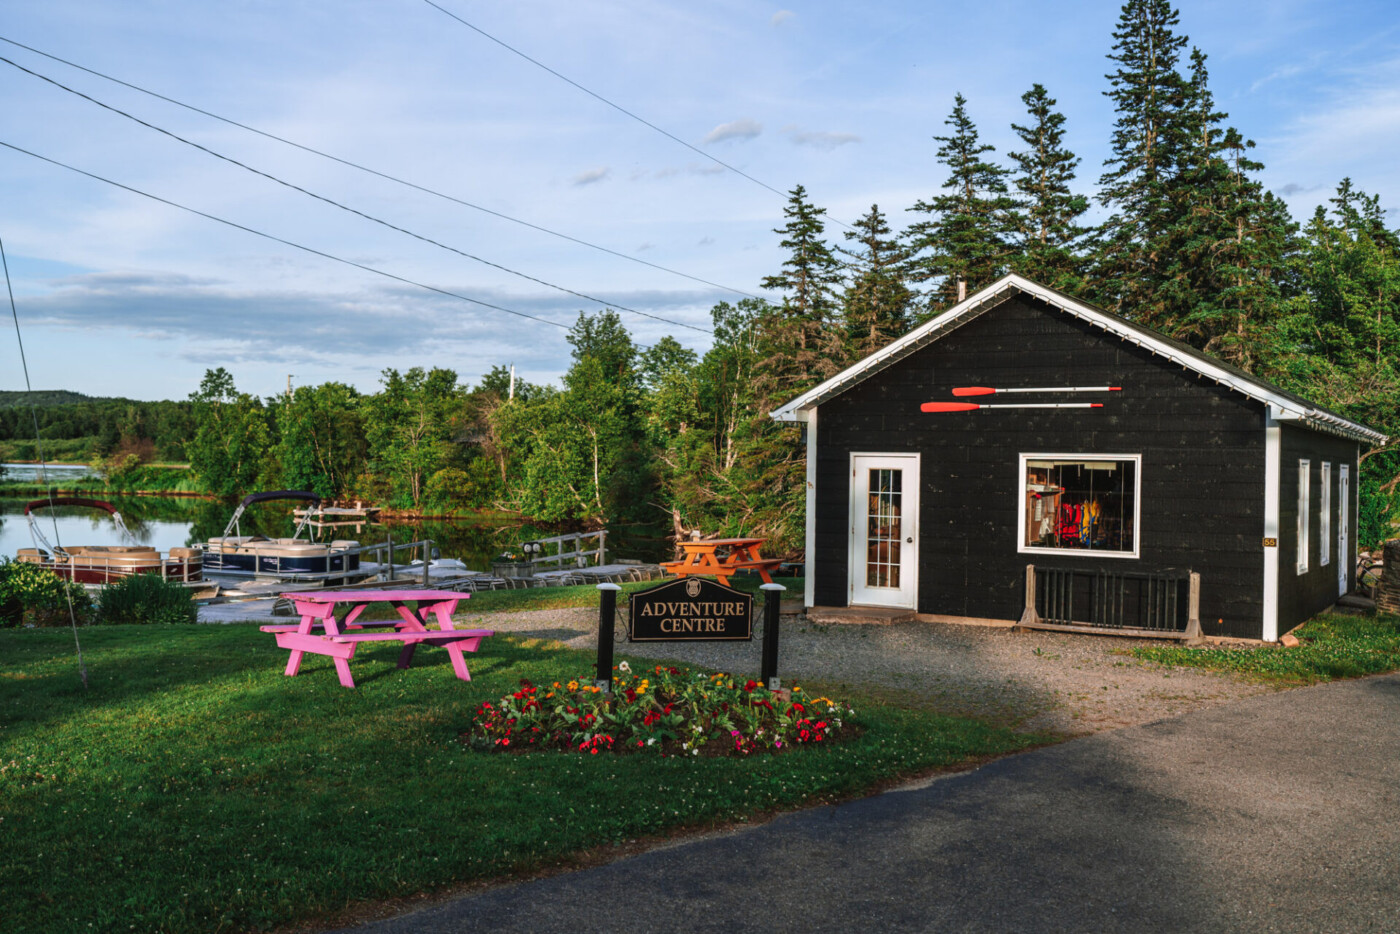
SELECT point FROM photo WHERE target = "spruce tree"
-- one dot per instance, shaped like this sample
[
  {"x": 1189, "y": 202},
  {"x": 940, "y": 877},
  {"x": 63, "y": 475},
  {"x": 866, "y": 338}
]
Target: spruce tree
[
  {"x": 1149, "y": 94},
  {"x": 877, "y": 301},
  {"x": 970, "y": 223},
  {"x": 1050, "y": 234},
  {"x": 798, "y": 337},
  {"x": 1227, "y": 248}
]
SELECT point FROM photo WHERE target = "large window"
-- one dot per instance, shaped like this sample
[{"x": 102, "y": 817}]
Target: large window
[{"x": 1080, "y": 504}]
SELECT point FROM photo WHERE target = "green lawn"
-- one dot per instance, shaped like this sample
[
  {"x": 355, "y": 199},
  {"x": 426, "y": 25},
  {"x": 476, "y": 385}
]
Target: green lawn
[
  {"x": 1332, "y": 647},
  {"x": 192, "y": 787}
]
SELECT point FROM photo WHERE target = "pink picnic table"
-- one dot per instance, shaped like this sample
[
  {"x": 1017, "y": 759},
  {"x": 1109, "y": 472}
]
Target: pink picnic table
[{"x": 341, "y": 634}]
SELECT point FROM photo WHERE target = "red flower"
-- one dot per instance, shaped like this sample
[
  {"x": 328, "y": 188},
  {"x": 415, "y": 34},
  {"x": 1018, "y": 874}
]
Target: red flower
[
  {"x": 750, "y": 685},
  {"x": 798, "y": 707}
]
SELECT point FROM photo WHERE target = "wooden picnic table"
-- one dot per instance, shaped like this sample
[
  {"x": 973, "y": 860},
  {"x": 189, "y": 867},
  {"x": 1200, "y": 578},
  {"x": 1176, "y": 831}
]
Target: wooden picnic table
[
  {"x": 340, "y": 634},
  {"x": 722, "y": 558}
]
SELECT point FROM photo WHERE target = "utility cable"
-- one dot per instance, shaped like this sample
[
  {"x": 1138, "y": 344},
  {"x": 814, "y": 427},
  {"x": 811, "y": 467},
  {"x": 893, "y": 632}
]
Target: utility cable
[
  {"x": 347, "y": 208},
  {"x": 43, "y": 466},
  {"x": 375, "y": 172},
  {"x": 267, "y": 236},
  {"x": 618, "y": 107}
]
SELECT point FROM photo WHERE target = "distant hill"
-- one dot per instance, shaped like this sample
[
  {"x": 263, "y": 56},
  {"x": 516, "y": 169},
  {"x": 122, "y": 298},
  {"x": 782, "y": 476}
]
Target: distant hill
[{"x": 43, "y": 398}]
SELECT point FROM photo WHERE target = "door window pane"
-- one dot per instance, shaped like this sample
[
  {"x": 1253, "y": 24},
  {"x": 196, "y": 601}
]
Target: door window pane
[{"x": 883, "y": 528}]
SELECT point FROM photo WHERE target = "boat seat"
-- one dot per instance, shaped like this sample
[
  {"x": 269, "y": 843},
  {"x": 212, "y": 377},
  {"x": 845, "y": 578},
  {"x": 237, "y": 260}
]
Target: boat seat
[{"x": 32, "y": 556}]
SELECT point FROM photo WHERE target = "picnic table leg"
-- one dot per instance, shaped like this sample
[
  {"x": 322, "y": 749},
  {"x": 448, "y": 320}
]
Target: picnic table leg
[
  {"x": 459, "y": 664},
  {"x": 342, "y": 668},
  {"x": 308, "y": 620},
  {"x": 406, "y": 656}
]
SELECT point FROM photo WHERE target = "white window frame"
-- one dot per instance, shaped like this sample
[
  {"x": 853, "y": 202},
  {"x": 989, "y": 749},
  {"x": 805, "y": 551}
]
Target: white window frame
[
  {"x": 1324, "y": 517},
  {"x": 1023, "y": 548},
  {"x": 1304, "y": 507}
]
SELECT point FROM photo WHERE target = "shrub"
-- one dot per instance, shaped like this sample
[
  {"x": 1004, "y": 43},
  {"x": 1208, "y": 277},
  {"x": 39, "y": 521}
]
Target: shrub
[
  {"x": 145, "y": 598},
  {"x": 31, "y": 595},
  {"x": 668, "y": 711}
]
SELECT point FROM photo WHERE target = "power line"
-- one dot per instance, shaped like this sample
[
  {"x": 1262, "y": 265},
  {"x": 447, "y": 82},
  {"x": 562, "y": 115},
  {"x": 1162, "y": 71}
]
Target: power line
[
  {"x": 43, "y": 466},
  {"x": 375, "y": 172},
  {"x": 312, "y": 250},
  {"x": 347, "y": 208},
  {"x": 618, "y": 107}
]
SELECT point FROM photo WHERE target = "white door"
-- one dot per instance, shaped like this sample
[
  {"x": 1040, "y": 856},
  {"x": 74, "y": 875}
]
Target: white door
[
  {"x": 884, "y": 536},
  {"x": 1346, "y": 561}
]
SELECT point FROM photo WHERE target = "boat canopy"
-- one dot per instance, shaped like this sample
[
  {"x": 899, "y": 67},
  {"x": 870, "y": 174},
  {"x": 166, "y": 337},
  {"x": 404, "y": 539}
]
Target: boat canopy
[
  {"x": 252, "y": 498},
  {"x": 37, "y": 535},
  {"x": 106, "y": 507}
]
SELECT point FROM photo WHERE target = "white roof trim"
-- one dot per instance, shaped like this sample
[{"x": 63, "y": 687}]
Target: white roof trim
[{"x": 1286, "y": 408}]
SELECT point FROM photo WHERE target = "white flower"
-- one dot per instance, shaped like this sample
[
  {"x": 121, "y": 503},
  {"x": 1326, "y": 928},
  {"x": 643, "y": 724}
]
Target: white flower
[
  {"x": 625, "y": 667},
  {"x": 651, "y": 740},
  {"x": 695, "y": 752}
]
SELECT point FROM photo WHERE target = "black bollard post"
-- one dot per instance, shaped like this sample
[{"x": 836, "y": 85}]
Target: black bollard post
[
  {"x": 772, "y": 602},
  {"x": 607, "y": 613}
]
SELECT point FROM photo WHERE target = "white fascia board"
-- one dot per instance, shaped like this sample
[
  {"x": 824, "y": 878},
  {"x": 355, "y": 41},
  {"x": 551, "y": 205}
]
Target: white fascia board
[{"x": 1287, "y": 409}]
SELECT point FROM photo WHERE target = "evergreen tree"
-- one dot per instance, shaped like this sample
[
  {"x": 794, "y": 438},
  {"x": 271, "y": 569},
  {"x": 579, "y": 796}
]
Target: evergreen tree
[
  {"x": 1227, "y": 248},
  {"x": 967, "y": 234},
  {"x": 797, "y": 336},
  {"x": 1050, "y": 234},
  {"x": 1149, "y": 94},
  {"x": 877, "y": 301}
]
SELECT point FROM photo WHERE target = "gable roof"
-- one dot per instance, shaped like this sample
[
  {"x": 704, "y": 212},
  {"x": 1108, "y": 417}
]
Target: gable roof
[{"x": 1286, "y": 405}]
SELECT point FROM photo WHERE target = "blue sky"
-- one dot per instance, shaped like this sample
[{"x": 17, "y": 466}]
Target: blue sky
[{"x": 120, "y": 295}]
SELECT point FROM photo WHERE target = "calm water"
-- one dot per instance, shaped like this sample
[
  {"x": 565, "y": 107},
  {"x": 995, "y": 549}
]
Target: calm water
[
  {"x": 57, "y": 473},
  {"x": 166, "y": 522}
]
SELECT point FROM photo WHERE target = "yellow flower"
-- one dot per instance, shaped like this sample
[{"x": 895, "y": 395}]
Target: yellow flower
[{"x": 573, "y": 685}]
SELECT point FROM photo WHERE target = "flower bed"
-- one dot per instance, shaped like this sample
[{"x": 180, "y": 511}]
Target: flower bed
[{"x": 669, "y": 711}]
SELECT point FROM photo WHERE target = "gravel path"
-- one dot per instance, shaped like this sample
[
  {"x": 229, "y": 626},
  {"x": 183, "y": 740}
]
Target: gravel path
[{"x": 1037, "y": 681}]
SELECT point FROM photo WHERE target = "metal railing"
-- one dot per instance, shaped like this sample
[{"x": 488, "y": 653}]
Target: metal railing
[
  {"x": 540, "y": 554},
  {"x": 1167, "y": 604}
]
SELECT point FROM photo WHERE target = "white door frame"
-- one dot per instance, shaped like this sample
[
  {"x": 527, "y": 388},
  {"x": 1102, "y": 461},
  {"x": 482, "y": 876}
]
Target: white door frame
[{"x": 907, "y": 594}]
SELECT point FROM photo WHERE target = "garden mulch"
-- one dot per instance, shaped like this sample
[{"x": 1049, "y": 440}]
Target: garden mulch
[{"x": 1035, "y": 681}]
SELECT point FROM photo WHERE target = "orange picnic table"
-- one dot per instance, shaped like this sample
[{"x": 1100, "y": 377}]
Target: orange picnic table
[{"x": 722, "y": 558}]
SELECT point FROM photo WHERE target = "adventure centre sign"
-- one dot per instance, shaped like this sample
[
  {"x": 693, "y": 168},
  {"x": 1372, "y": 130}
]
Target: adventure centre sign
[{"x": 691, "y": 608}]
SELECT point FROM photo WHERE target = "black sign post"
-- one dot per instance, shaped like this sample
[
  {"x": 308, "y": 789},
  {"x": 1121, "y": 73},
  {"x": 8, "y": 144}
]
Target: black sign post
[
  {"x": 772, "y": 601},
  {"x": 607, "y": 612},
  {"x": 691, "y": 609}
]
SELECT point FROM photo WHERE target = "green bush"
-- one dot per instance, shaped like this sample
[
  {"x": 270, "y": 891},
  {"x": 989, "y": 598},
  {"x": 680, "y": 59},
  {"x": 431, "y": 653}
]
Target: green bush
[
  {"x": 143, "y": 599},
  {"x": 31, "y": 595}
]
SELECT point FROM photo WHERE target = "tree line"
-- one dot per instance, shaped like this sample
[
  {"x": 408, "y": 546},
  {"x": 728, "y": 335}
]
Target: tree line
[{"x": 1190, "y": 243}]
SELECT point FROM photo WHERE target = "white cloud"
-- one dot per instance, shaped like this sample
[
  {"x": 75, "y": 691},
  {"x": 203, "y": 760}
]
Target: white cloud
[
  {"x": 819, "y": 139},
  {"x": 782, "y": 16},
  {"x": 591, "y": 176},
  {"x": 744, "y": 129}
]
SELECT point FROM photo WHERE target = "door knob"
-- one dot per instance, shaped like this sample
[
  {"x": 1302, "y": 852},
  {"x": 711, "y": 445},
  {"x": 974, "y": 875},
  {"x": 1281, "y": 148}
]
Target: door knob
[{"x": 910, "y": 539}]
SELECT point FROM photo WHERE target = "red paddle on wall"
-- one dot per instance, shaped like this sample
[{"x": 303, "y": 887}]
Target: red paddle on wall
[
  {"x": 987, "y": 390},
  {"x": 972, "y": 406}
]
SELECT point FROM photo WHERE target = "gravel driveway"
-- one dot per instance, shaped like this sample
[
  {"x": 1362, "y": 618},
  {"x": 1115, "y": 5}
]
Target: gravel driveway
[{"x": 1036, "y": 681}]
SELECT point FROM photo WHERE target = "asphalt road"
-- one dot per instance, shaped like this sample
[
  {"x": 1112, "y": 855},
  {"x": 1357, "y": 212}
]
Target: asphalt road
[{"x": 1279, "y": 812}]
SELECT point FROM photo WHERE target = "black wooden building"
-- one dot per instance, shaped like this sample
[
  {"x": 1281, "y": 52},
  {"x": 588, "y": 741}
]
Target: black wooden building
[{"x": 1184, "y": 465}]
